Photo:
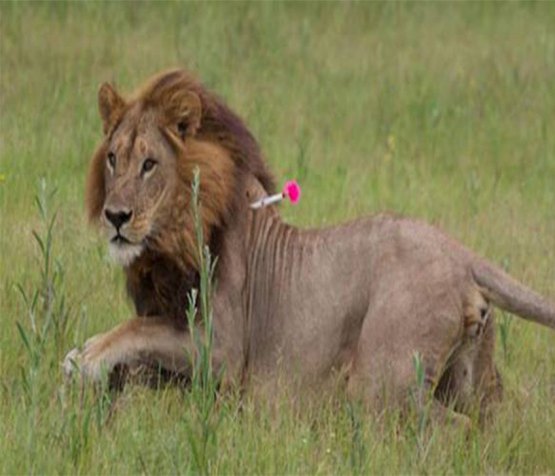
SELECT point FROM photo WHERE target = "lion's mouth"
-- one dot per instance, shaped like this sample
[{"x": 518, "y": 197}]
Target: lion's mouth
[
  {"x": 120, "y": 240},
  {"x": 124, "y": 251}
]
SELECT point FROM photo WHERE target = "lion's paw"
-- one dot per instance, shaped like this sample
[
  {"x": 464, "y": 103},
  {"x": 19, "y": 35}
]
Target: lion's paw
[
  {"x": 71, "y": 362},
  {"x": 88, "y": 363}
]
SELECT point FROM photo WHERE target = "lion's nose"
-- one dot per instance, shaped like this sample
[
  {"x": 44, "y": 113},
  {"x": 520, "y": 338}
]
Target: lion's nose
[{"x": 118, "y": 218}]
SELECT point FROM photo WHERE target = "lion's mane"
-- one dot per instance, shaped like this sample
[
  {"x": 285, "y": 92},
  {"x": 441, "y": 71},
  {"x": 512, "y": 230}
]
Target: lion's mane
[{"x": 159, "y": 279}]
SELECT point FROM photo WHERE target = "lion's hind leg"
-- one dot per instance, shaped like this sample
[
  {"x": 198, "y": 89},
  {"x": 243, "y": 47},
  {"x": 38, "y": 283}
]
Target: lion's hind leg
[
  {"x": 144, "y": 342},
  {"x": 401, "y": 355}
]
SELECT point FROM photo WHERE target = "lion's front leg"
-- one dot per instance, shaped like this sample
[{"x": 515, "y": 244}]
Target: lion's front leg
[{"x": 145, "y": 341}]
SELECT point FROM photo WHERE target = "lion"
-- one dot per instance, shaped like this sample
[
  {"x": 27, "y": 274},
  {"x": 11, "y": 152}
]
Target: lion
[{"x": 365, "y": 299}]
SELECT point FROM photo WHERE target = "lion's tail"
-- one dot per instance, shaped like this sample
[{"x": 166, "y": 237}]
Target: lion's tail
[{"x": 512, "y": 296}]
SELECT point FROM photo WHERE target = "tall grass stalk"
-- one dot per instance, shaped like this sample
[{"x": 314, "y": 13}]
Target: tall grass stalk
[
  {"x": 204, "y": 383},
  {"x": 43, "y": 334},
  {"x": 48, "y": 316},
  {"x": 422, "y": 401}
]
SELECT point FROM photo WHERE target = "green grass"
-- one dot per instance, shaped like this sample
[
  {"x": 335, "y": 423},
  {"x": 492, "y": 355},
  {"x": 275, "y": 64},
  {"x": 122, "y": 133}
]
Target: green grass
[{"x": 441, "y": 111}]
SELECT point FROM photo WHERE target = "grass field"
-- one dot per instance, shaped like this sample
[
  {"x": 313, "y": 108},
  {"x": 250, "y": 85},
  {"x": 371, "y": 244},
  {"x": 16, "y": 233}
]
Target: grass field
[{"x": 440, "y": 111}]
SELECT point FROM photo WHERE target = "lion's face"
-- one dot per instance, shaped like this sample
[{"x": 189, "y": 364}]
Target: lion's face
[{"x": 140, "y": 180}]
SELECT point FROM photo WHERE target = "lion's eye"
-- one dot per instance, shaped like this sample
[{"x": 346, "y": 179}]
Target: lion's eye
[
  {"x": 112, "y": 160},
  {"x": 148, "y": 165}
]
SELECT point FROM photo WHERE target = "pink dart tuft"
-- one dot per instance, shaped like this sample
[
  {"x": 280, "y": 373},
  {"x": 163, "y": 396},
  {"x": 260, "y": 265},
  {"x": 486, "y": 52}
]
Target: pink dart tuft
[{"x": 292, "y": 190}]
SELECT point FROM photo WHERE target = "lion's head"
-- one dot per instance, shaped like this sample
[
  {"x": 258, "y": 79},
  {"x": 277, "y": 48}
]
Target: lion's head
[{"x": 139, "y": 182}]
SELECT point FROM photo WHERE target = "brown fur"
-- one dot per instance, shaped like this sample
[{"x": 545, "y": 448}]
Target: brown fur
[{"x": 362, "y": 299}]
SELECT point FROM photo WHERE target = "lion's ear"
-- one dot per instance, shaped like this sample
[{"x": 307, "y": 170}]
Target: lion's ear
[
  {"x": 110, "y": 106},
  {"x": 183, "y": 110}
]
